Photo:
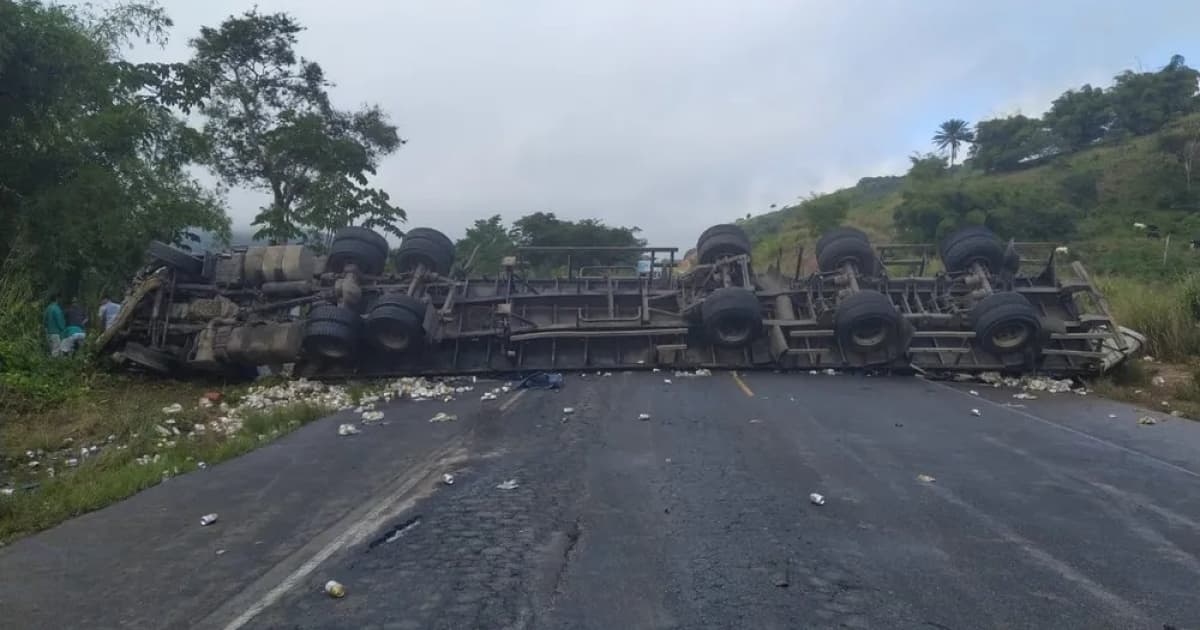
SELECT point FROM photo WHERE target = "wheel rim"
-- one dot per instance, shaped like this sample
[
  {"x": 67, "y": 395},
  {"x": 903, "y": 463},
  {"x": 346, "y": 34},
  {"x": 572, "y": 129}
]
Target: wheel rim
[
  {"x": 329, "y": 347},
  {"x": 734, "y": 330},
  {"x": 392, "y": 335},
  {"x": 1010, "y": 335},
  {"x": 869, "y": 333}
]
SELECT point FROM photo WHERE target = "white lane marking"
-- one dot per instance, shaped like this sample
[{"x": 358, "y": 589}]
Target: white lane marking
[
  {"x": 386, "y": 509},
  {"x": 1082, "y": 434},
  {"x": 512, "y": 401}
]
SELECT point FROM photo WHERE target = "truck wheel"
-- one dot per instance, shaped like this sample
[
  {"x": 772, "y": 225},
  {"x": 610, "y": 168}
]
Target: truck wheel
[
  {"x": 332, "y": 331},
  {"x": 970, "y": 245},
  {"x": 425, "y": 248},
  {"x": 847, "y": 248},
  {"x": 867, "y": 321},
  {"x": 720, "y": 241},
  {"x": 839, "y": 232},
  {"x": 358, "y": 245},
  {"x": 732, "y": 316},
  {"x": 394, "y": 328},
  {"x": 1006, "y": 323},
  {"x": 175, "y": 259}
]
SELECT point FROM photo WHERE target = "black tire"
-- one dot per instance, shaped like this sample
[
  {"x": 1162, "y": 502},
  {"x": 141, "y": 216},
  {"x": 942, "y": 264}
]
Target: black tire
[
  {"x": 433, "y": 253},
  {"x": 848, "y": 248},
  {"x": 970, "y": 245},
  {"x": 732, "y": 317},
  {"x": 430, "y": 234},
  {"x": 1006, "y": 323},
  {"x": 394, "y": 328},
  {"x": 840, "y": 232},
  {"x": 403, "y": 300},
  {"x": 720, "y": 241},
  {"x": 362, "y": 254},
  {"x": 723, "y": 228},
  {"x": 175, "y": 259},
  {"x": 366, "y": 235},
  {"x": 332, "y": 332},
  {"x": 148, "y": 358},
  {"x": 867, "y": 321}
]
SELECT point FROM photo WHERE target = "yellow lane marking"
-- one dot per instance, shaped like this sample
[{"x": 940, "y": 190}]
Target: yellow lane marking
[{"x": 742, "y": 384}]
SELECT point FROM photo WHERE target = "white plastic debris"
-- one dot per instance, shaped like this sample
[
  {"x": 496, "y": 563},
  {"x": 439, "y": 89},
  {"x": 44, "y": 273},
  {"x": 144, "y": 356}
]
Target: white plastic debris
[
  {"x": 656, "y": 370},
  {"x": 975, "y": 412},
  {"x": 488, "y": 396},
  {"x": 667, "y": 381},
  {"x": 1147, "y": 420},
  {"x": 348, "y": 429},
  {"x": 172, "y": 408},
  {"x": 1139, "y": 225},
  {"x": 568, "y": 410},
  {"x": 220, "y": 552},
  {"x": 608, "y": 373},
  {"x": 1177, "y": 413},
  {"x": 1112, "y": 416},
  {"x": 1165, "y": 403},
  {"x": 1024, "y": 396},
  {"x": 693, "y": 374},
  {"x": 442, "y": 416},
  {"x": 372, "y": 416},
  {"x": 1148, "y": 359},
  {"x": 208, "y": 519},
  {"x": 335, "y": 589},
  {"x": 201, "y": 465},
  {"x": 164, "y": 431},
  {"x": 829, "y": 372},
  {"x": 813, "y": 372},
  {"x": 755, "y": 421},
  {"x": 925, "y": 478},
  {"x": 8, "y": 492},
  {"x": 643, "y": 416},
  {"x": 34, "y": 464},
  {"x": 816, "y": 499},
  {"x": 72, "y": 462},
  {"x": 448, "y": 479},
  {"x": 1062, "y": 249},
  {"x": 1158, "y": 381},
  {"x": 641, "y": 362},
  {"x": 511, "y": 484},
  {"x": 973, "y": 392}
]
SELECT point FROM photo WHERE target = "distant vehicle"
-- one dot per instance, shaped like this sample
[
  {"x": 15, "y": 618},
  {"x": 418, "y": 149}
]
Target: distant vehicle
[{"x": 346, "y": 314}]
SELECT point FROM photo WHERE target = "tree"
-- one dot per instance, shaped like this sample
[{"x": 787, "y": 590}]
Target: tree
[
  {"x": 272, "y": 127},
  {"x": 1006, "y": 144},
  {"x": 926, "y": 167},
  {"x": 1080, "y": 117},
  {"x": 485, "y": 244},
  {"x": 952, "y": 134},
  {"x": 825, "y": 212},
  {"x": 94, "y": 161},
  {"x": 546, "y": 229},
  {"x": 1183, "y": 144},
  {"x": 1143, "y": 102}
]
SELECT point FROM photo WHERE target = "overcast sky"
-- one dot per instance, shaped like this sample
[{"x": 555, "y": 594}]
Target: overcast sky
[{"x": 672, "y": 115}]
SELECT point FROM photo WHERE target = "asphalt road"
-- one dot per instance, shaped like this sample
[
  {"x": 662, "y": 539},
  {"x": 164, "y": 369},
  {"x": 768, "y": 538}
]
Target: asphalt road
[{"x": 1050, "y": 514}]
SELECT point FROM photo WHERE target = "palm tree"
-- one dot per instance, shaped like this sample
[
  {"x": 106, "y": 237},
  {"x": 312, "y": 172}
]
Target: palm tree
[{"x": 953, "y": 133}]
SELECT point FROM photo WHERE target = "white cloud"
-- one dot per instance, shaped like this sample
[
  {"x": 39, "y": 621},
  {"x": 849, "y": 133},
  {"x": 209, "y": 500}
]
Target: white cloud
[{"x": 673, "y": 115}]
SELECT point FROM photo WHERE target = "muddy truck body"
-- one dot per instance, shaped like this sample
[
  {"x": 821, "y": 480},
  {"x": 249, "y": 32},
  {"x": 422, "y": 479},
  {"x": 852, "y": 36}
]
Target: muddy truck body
[{"x": 363, "y": 309}]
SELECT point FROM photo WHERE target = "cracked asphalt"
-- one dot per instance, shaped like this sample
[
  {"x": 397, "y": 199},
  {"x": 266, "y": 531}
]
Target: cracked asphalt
[{"x": 1042, "y": 513}]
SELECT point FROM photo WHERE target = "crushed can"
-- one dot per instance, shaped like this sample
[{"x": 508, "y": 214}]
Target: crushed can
[
  {"x": 208, "y": 519},
  {"x": 816, "y": 499}
]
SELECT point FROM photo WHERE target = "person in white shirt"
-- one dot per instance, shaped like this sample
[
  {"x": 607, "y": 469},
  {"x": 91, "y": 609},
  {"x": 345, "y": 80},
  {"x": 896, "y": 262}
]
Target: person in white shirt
[{"x": 108, "y": 313}]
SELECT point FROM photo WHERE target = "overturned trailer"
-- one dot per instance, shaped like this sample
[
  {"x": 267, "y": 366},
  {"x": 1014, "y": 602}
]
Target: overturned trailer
[{"x": 991, "y": 306}]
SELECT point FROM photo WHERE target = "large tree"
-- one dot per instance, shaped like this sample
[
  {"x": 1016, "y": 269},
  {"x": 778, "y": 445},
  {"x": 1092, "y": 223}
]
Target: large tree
[
  {"x": 93, "y": 159},
  {"x": 272, "y": 127},
  {"x": 485, "y": 244},
  {"x": 1005, "y": 144},
  {"x": 951, "y": 135},
  {"x": 1080, "y": 117},
  {"x": 1143, "y": 102}
]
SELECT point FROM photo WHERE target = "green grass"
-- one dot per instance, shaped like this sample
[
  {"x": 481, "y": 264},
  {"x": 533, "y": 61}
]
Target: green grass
[
  {"x": 128, "y": 409},
  {"x": 1163, "y": 311}
]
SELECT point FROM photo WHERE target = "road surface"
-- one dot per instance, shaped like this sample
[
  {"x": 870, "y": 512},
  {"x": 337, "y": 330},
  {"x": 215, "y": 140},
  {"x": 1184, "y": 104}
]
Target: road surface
[{"x": 1049, "y": 514}]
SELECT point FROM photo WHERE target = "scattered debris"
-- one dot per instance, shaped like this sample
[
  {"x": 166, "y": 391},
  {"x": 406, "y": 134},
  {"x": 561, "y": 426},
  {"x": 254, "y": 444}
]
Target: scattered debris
[
  {"x": 448, "y": 479},
  {"x": 643, "y": 416},
  {"x": 656, "y": 370},
  {"x": 816, "y": 499},
  {"x": 813, "y": 372},
  {"x": 442, "y": 416},
  {"x": 975, "y": 412},
  {"x": 208, "y": 519},
  {"x": 335, "y": 589},
  {"x": 830, "y": 372},
  {"x": 204, "y": 403},
  {"x": 201, "y": 465},
  {"x": 542, "y": 380},
  {"x": 667, "y": 381},
  {"x": 608, "y": 373},
  {"x": 973, "y": 392},
  {"x": 220, "y": 552},
  {"x": 372, "y": 416},
  {"x": 8, "y": 492},
  {"x": 755, "y": 421},
  {"x": 511, "y": 484},
  {"x": 1148, "y": 359},
  {"x": 568, "y": 410},
  {"x": 1158, "y": 381},
  {"x": 925, "y": 478},
  {"x": 1177, "y": 413},
  {"x": 72, "y": 462},
  {"x": 1165, "y": 403},
  {"x": 488, "y": 396},
  {"x": 172, "y": 408},
  {"x": 348, "y": 429},
  {"x": 1147, "y": 420},
  {"x": 1024, "y": 396},
  {"x": 1112, "y": 416},
  {"x": 693, "y": 374}
]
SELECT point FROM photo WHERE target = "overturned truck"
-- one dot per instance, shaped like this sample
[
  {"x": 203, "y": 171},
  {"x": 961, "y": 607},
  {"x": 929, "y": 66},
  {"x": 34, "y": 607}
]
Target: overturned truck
[{"x": 363, "y": 309}]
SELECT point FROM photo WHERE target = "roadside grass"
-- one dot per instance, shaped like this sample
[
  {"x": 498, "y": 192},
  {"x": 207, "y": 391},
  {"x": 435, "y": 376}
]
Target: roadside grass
[
  {"x": 1166, "y": 312},
  {"x": 1150, "y": 384},
  {"x": 128, "y": 409}
]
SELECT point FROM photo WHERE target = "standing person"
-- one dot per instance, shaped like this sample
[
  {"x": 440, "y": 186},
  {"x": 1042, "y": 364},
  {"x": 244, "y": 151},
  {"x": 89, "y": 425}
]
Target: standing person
[
  {"x": 55, "y": 324},
  {"x": 108, "y": 313},
  {"x": 76, "y": 321}
]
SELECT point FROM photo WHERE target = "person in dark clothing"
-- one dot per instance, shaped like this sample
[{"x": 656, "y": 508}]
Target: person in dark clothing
[{"x": 76, "y": 324}]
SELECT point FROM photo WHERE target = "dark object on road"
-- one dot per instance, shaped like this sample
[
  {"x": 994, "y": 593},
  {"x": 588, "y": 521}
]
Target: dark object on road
[
  {"x": 543, "y": 380},
  {"x": 998, "y": 306}
]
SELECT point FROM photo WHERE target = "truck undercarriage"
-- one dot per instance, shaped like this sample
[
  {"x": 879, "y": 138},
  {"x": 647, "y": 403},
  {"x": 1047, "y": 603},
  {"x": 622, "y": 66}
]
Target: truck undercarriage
[{"x": 991, "y": 306}]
